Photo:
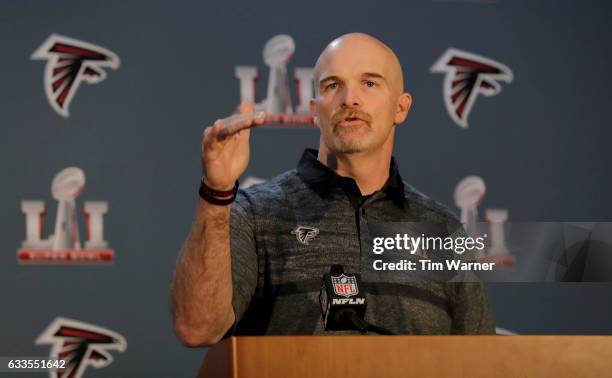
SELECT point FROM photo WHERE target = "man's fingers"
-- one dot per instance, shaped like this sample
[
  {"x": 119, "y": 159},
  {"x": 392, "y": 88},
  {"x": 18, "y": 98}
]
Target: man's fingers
[
  {"x": 230, "y": 126},
  {"x": 235, "y": 123},
  {"x": 260, "y": 118},
  {"x": 247, "y": 107},
  {"x": 209, "y": 135}
]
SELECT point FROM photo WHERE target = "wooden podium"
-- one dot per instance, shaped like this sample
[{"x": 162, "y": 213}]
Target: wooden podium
[{"x": 409, "y": 356}]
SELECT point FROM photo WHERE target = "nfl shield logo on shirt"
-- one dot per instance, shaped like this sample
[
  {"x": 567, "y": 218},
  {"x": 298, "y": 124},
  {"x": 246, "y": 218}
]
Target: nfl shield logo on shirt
[{"x": 344, "y": 285}]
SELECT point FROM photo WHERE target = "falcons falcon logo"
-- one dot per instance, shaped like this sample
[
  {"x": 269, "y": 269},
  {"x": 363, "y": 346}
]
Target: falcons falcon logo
[
  {"x": 81, "y": 345},
  {"x": 468, "y": 75},
  {"x": 305, "y": 234},
  {"x": 70, "y": 62}
]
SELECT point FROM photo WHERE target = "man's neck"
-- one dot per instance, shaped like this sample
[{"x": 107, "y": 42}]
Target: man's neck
[{"x": 370, "y": 171}]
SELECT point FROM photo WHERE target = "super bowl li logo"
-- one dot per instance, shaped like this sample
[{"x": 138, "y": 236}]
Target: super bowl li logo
[
  {"x": 469, "y": 193},
  {"x": 277, "y": 52},
  {"x": 64, "y": 245}
]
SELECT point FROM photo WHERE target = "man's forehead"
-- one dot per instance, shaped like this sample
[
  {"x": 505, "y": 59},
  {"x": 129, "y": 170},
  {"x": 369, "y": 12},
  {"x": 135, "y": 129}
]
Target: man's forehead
[
  {"x": 355, "y": 55},
  {"x": 346, "y": 62}
]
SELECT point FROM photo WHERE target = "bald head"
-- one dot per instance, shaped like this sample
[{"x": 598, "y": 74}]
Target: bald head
[
  {"x": 354, "y": 48},
  {"x": 359, "y": 97}
]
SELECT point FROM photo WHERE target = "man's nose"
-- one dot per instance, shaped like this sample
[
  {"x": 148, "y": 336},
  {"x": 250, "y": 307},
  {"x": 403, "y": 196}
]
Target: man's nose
[{"x": 350, "y": 96}]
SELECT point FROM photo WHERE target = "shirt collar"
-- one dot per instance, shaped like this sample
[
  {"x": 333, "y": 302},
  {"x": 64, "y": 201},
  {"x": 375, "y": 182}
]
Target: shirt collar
[{"x": 322, "y": 179}]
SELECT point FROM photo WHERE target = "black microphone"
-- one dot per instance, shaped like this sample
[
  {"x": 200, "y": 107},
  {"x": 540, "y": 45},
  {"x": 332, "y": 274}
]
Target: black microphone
[
  {"x": 343, "y": 302},
  {"x": 340, "y": 299}
]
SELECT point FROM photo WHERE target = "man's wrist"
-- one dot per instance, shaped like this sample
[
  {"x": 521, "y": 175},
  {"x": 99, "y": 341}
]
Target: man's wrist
[
  {"x": 215, "y": 186},
  {"x": 216, "y": 196}
]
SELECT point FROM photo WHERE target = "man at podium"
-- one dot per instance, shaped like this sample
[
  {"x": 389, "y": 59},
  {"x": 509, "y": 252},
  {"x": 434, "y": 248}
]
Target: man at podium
[{"x": 253, "y": 261}]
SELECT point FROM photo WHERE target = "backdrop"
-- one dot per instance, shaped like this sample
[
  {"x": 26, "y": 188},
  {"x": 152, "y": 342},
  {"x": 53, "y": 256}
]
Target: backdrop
[{"x": 165, "y": 70}]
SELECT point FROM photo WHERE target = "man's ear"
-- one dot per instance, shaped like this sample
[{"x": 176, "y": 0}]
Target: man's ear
[
  {"x": 313, "y": 112},
  {"x": 403, "y": 107}
]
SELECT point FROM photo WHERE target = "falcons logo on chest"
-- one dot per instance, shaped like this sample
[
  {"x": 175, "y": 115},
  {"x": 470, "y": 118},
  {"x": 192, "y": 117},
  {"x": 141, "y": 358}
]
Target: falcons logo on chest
[
  {"x": 69, "y": 63},
  {"x": 80, "y": 345},
  {"x": 466, "y": 76},
  {"x": 304, "y": 234}
]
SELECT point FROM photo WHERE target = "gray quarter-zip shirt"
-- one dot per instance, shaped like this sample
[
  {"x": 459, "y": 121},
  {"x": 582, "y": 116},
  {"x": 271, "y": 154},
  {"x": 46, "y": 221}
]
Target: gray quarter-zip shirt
[{"x": 287, "y": 232}]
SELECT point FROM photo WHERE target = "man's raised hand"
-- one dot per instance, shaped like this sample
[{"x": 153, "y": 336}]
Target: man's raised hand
[{"x": 225, "y": 147}]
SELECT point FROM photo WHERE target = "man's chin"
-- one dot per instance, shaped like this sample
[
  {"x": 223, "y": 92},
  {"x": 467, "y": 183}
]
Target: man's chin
[
  {"x": 353, "y": 141},
  {"x": 349, "y": 151},
  {"x": 350, "y": 147}
]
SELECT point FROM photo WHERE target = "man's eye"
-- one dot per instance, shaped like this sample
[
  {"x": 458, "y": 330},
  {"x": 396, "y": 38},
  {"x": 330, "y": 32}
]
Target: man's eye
[
  {"x": 370, "y": 84},
  {"x": 332, "y": 86}
]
